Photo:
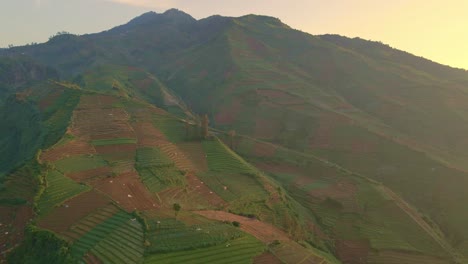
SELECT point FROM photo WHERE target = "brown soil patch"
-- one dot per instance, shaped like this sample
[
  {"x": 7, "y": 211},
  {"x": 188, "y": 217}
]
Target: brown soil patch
[
  {"x": 196, "y": 186},
  {"x": 69, "y": 213},
  {"x": 87, "y": 175},
  {"x": 13, "y": 220},
  {"x": 266, "y": 258},
  {"x": 91, "y": 259},
  {"x": 87, "y": 223},
  {"x": 95, "y": 119},
  {"x": 194, "y": 150},
  {"x": 352, "y": 251},
  {"x": 265, "y": 232},
  {"x": 147, "y": 135},
  {"x": 128, "y": 191},
  {"x": 49, "y": 99},
  {"x": 266, "y": 128},
  {"x": 327, "y": 123},
  {"x": 264, "y": 150},
  {"x": 178, "y": 156},
  {"x": 110, "y": 149},
  {"x": 228, "y": 114},
  {"x": 72, "y": 148}
]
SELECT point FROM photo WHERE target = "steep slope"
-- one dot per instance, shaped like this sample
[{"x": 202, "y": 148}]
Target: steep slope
[{"x": 376, "y": 111}]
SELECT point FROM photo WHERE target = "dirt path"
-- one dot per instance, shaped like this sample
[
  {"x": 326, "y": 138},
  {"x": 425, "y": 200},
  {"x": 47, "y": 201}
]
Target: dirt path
[{"x": 288, "y": 252}]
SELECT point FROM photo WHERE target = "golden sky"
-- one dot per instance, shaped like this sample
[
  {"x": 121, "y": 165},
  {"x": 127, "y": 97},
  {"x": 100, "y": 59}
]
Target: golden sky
[{"x": 434, "y": 29}]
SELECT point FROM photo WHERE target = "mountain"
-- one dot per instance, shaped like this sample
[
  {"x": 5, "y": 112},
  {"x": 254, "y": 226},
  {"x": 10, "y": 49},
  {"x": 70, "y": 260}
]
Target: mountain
[{"x": 343, "y": 150}]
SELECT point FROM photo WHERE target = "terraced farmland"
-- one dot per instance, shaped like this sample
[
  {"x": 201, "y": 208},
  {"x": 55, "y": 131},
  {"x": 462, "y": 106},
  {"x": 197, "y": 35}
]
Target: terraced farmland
[
  {"x": 116, "y": 239},
  {"x": 241, "y": 250},
  {"x": 59, "y": 189},
  {"x": 156, "y": 170},
  {"x": 222, "y": 159},
  {"x": 168, "y": 235},
  {"x": 80, "y": 163},
  {"x": 233, "y": 186}
]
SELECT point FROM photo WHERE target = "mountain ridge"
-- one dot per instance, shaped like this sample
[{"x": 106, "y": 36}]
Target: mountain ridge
[{"x": 362, "y": 108}]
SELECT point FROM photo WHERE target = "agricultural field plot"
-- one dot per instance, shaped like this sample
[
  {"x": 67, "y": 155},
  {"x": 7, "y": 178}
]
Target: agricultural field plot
[
  {"x": 148, "y": 135},
  {"x": 402, "y": 257},
  {"x": 172, "y": 128},
  {"x": 127, "y": 190},
  {"x": 116, "y": 239},
  {"x": 59, "y": 189},
  {"x": 13, "y": 220},
  {"x": 124, "y": 245},
  {"x": 87, "y": 223},
  {"x": 63, "y": 217},
  {"x": 168, "y": 235},
  {"x": 241, "y": 250},
  {"x": 156, "y": 170},
  {"x": 117, "y": 143},
  {"x": 352, "y": 251},
  {"x": 290, "y": 253},
  {"x": 158, "y": 179},
  {"x": 80, "y": 163},
  {"x": 267, "y": 258},
  {"x": 222, "y": 159},
  {"x": 264, "y": 232},
  {"x": 120, "y": 162},
  {"x": 261, "y": 149},
  {"x": 152, "y": 157},
  {"x": 180, "y": 159},
  {"x": 195, "y": 152},
  {"x": 92, "y": 174},
  {"x": 195, "y": 195},
  {"x": 71, "y": 148},
  {"x": 95, "y": 118},
  {"x": 233, "y": 186}
]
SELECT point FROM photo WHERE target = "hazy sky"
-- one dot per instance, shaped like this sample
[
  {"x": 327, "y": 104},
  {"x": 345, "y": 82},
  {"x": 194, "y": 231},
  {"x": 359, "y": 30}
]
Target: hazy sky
[{"x": 434, "y": 29}]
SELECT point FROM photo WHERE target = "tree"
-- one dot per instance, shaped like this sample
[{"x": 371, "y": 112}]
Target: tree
[
  {"x": 232, "y": 135},
  {"x": 204, "y": 128},
  {"x": 177, "y": 208}
]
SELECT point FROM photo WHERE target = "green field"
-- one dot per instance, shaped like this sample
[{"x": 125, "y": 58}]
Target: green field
[
  {"x": 171, "y": 235},
  {"x": 241, "y": 250},
  {"x": 117, "y": 239},
  {"x": 59, "y": 189},
  {"x": 222, "y": 159},
  {"x": 157, "y": 170},
  {"x": 232, "y": 186},
  {"x": 173, "y": 128},
  {"x": 152, "y": 157},
  {"x": 113, "y": 141},
  {"x": 80, "y": 163}
]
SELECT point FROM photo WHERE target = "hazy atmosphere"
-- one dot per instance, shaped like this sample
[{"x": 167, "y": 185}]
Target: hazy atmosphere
[
  {"x": 233, "y": 132},
  {"x": 433, "y": 29}
]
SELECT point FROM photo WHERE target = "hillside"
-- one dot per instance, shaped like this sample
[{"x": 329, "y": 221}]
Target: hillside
[{"x": 345, "y": 150}]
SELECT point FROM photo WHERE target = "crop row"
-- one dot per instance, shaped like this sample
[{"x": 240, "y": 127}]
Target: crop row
[
  {"x": 241, "y": 250},
  {"x": 59, "y": 189},
  {"x": 98, "y": 232},
  {"x": 175, "y": 237},
  {"x": 157, "y": 179},
  {"x": 222, "y": 159}
]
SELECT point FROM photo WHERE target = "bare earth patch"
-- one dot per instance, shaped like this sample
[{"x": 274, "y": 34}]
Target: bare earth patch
[
  {"x": 128, "y": 191},
  {"x": 88, "y": 175},
  {"x": 70, "y": 212},
  {"x": 72, "y": 148},
  {"x": 264, "y": 232}
]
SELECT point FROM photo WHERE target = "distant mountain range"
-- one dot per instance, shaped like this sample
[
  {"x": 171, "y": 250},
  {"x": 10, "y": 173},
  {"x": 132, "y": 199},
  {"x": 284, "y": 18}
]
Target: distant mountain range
[{"x": 365, "y": 144}]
